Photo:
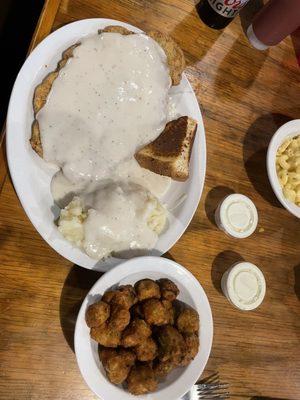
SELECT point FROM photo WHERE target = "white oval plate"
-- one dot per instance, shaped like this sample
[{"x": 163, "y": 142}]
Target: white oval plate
[
  {"x": 32, "y": 176},
  {"x": 290, "y": 129},
  {"x": 180, "y": 380}
]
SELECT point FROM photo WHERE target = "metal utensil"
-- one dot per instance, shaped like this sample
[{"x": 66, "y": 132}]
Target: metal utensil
[
  {"x": 212, "y": 388},
  {"x": 213, "y": 391},
  {"x": 209, "y": 388}
]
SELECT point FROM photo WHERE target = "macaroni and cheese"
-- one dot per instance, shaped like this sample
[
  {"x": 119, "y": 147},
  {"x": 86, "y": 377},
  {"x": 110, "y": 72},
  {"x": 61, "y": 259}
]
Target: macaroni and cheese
[{"x": 288, "y": 168}]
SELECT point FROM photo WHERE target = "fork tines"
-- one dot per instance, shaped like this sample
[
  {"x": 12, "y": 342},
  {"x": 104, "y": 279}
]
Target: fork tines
[{"x": 212, "y": 388}]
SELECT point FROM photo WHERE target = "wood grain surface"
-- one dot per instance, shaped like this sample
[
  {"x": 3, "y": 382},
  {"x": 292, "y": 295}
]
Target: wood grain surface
[{"x": 245, "y": 95}]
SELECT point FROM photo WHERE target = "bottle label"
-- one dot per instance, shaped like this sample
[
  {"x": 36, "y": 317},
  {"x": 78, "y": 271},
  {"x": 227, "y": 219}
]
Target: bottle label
[{"x": 227, "y": 8}]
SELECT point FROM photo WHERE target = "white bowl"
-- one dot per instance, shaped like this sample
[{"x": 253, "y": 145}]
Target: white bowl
[
  {"x": 181, "y": 379},
  {"x": 290, "y": 129}
]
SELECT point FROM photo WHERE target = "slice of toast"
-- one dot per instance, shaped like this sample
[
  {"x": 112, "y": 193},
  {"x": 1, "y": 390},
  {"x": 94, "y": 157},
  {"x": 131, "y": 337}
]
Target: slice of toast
[{"x": 170, "y": 153}]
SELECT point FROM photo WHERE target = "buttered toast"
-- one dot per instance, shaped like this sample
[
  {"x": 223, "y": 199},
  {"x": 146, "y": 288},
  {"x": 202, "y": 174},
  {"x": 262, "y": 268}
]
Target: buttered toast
[{"x": 170, "y": 153}]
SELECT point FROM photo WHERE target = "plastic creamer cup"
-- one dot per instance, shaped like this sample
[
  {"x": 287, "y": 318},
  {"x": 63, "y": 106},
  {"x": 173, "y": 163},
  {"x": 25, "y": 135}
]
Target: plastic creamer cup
[
  {"x": 237, "y": 216},
  {"x": 244, "y": 285}
]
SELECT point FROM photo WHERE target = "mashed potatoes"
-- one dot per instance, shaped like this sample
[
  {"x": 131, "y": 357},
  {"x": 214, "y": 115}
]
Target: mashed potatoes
[
  {"x": 71, "y": 220},
  {"x": 114, "y": 219}
]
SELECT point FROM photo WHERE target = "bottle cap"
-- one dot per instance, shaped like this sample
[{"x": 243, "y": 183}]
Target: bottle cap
[
  {"x": 244, "y": 286},
  {"x": 237, "y": 216}
]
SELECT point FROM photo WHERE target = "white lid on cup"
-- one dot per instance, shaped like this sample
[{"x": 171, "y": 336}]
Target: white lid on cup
[
  {"x": 237, "y": 216},
  {"x": 244, "y": 285}
]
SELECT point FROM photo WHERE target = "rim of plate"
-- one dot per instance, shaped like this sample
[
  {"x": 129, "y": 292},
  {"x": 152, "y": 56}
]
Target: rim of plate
[
  {"x": 198, "y": 166},
  {"x": 86, "y": 362},
  {"x": 289, "y": 129}
]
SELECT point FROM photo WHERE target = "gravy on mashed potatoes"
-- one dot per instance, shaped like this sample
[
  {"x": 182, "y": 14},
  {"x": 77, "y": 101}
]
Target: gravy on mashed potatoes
[{"x": 110, "y": 99}]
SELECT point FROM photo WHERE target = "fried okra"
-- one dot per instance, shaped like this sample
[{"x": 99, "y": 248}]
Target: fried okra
[
  {"x": 137, "y": 311},
  {"x": 135, "y": 333},
  {"x": 147, "y": 350},
  {"x": 119, "y": 318},
  {"x": 188, "y": 321},
  {"x": 117, "y": 363},
  {"x": 155, "y": 313},
  {"x": 147, "y": 289},
  {"x": 105, "y": 353},
  {"x": 170, "y": 311},
  {"x": 171, "y": 345},
  {"x": 162, "y": 368},
  {"x": 108, "y": 295},
  {"x": 192, "y": 346},
  {"x": 143, "y": 333},
  {"x": 129, "y": 289},
  {"x": 141, "y": 380},
  {"x": 124, "y": 297},
  {"x": 106, "y": 336},
  {"x": 97, "y": 314},
  {"x": 168, "y": 289}
]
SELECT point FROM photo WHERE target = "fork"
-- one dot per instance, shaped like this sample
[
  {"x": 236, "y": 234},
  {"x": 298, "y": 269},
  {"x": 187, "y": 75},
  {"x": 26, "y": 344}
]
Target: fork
[
  {"x": 212, "y": 388},
  {"x": 215, "y": 391},
  {"x": 208, "y": 389}
]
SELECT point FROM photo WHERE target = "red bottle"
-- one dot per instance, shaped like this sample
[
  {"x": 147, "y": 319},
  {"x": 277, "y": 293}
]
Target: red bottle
[{"x": 276, "y": 20}]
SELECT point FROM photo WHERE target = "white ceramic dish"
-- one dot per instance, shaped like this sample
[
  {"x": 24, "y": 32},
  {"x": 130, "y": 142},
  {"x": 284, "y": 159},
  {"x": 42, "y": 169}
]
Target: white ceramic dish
[
  {"x": 180, "y": 380},
  {"x": 32, "y": 176},
  {"x": 290, "y": 129}
]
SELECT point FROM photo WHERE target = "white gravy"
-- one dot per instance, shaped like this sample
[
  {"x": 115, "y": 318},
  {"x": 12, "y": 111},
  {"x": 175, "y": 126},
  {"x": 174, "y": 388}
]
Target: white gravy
[
  {"x": 117, "y": 220},
  {"x": 110, "y": 99}
]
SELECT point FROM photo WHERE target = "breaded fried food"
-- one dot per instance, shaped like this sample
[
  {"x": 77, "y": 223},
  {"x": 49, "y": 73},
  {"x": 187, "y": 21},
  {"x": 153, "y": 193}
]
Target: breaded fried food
[
  {"x": 170, "y": 311},
  {"x": 188, "y": 321},
  {"x": 105, "y": 353},
  {"x": 97, "y": 314},
  {"x": 131, "y": 292},
  {"x": 171, "y": 345},
  {"x": 123, "y": 297},
  {"x": 147, "y": 350},
  {"x": 175, "y": 56},
  {"x": 43, "y": 89},
  {"x": 135, "y": 333},
  {"x": 147, "y": 289},
  {"x": 192, "y": 346},
  {"x": 137, "y": 311},
  {"x": 40, "y": 95},
  {"x": 141, "y": 380},
  {"x": 35, "y": 139},
  {"x": 162, "y": 368},
  {"x": 175, "y": 60},
  {"x": 155, "y": 312},
  {"x": 108, "y": 295},
  {"x": 106, "y": 336},
  {"x": 168, "y": 289},
  {"x": 115, "y": 29},
  {"x": 119, "y": 318},
  {"x": 117, "y": 364}
]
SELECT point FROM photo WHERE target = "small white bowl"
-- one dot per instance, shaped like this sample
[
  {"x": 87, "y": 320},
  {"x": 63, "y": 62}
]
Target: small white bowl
[
  {"x": 180, "y": 380},
  {"x": 290, "y": 129}
]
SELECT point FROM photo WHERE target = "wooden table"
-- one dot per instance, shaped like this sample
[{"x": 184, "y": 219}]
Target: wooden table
[{"x": 244, "y": 95}]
